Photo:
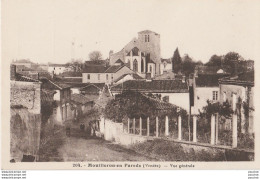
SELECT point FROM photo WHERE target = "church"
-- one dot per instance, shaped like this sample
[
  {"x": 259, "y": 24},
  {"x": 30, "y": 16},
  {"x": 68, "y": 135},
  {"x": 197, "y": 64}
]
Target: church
[{"x": 142, "y": 54}]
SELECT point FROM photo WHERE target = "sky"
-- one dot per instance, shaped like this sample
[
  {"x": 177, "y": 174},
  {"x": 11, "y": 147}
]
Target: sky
[{"x": 44, "y": 30}]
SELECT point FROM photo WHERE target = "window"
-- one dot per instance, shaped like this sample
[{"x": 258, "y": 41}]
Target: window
[
  {"x": 145, "y": 38},
  {"x": 98, "y": 76},
  {"x": 135, "y": 65},
  {"x": 215, "y": 95},
  {"x": 88, "y": 76},
  {"x": 151, "y": 68},
  {"x": 107, "y": 76},
  {"x": 112, "y": 77},
  {"x": 148, "y": 38}
]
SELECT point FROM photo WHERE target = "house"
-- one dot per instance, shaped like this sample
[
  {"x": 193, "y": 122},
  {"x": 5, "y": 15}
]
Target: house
[
  {"x": 238, "y": 91},
  {"x": 102, "y": 74},
  {"x": 62, "y": 97},
  {"x": 147, "y": 44},
  {"x": 92, "y": 90},
  {"x": 166, "y": 65},
  {"x": 25, "y": 120},
  {"x": 205, "y": 87},
  {"x": 81, "y": 105},
  {"x": 173, "y": 91},
  {"x": 57, "y": 68}
]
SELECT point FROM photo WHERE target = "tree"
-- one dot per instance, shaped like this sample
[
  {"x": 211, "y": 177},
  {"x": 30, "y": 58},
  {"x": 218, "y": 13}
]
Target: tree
[
  {"x": 188, "y": 65},
  {"x": 95, "y": 56},
  {"x": 176, "y": 61},
  {"x": 214, "y": 60}
]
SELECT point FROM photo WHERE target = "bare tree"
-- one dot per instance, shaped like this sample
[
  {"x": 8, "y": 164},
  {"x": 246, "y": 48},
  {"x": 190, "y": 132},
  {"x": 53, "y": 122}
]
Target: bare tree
[{"x": 95, "y": 56}]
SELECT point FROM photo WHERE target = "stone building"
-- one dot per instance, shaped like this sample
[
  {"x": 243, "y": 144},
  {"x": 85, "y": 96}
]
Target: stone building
[
  {"x": 148, "y": 45},
  {"x": 25, "y": 122}
]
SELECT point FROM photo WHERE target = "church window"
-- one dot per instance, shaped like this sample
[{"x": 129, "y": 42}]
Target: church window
[
  {"x": 145, "y": 38},
  {"x": 135, "y": 68},
  {"x": 148, "y": 38},
  {"x": 151, "y": 68}
]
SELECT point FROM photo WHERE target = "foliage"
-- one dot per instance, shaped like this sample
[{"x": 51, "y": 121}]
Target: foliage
[
  {"x": 214, "y": 60},
  {"x": 135, "y": 105},
  {"x": 95, "y": 56},
  {"x": 223, "y": 110},
  {"x": 176, "y": 61}
]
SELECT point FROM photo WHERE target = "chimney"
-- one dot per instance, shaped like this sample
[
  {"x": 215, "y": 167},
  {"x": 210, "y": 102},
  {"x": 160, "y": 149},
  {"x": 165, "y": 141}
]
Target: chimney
[
  {"x": 13, "y": 72},
  {"x": 38, "y": 76},
  {"x": 148, "y": 77}
]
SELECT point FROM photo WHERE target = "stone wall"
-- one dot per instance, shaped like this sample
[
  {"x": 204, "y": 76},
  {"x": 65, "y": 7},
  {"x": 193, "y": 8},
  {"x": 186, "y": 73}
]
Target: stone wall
[
  {"x": 25, "y": 130},
  {"x": 27, "y": 94}
]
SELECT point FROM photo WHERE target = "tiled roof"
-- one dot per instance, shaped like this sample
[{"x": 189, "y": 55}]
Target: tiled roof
[
  {"x": 119, "y": 61},
  {"x": 134, "y": 75},
  {"x": 97, "y": 62},
  {"x": 94, "y": 69},
  {"x": 246, "y": 78},
  {"x": 71, "y": 74},
  {"x": 208, "y": 80},
  {"x": 154, "y": 86},
  {"x": 51, "y": 85},
  {"x": 93, "y": 88},
  {"x": 20, "y": 77},
  {"x": 114, "y": 68},
  {"x": 79, "y": 99},
  {"x": 69, "y": 80}
]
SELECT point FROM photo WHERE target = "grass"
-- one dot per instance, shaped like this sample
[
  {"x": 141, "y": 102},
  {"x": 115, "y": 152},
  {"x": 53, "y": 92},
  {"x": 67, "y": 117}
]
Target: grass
[{"x": 170, "y": 151}]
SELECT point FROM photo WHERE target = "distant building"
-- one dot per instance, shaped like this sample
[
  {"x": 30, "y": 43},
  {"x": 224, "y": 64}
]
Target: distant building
[
  {"x": 81, "y": 105},
  {"x": 58, "y": 68},
  {"x": 165, "y": 66},
  {"x": 62, "y": 97},
  {"x": 173, "y": 91},
  {"x": 137, "y": 52},
  {"x": 101, "y": 74}
]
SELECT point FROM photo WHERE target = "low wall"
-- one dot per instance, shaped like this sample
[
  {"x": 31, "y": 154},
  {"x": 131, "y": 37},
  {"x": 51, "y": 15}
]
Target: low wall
[{"x": 114, "y": 132}]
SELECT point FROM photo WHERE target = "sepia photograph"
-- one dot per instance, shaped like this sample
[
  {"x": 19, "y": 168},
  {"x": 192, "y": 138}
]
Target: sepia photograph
[{"x": 165, "y": 82}]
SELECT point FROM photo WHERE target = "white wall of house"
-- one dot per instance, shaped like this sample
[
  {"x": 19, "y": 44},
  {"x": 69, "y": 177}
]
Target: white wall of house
[
  {"x": 56, "y": 96},
  {"x": 165, "y": 67},
  {"x": 151, "y": 69},
  {"x": 57, "y": 69},
  {"x": 201, "y": 95},
  {"x": 107, "y": 78},
  {"x": 179, "y": 99}
]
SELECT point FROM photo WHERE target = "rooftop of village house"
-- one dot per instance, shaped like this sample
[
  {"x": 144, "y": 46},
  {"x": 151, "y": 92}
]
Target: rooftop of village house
[
  {"x": 209, "y": 80},
  {"x": 175, "y": 86}
]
